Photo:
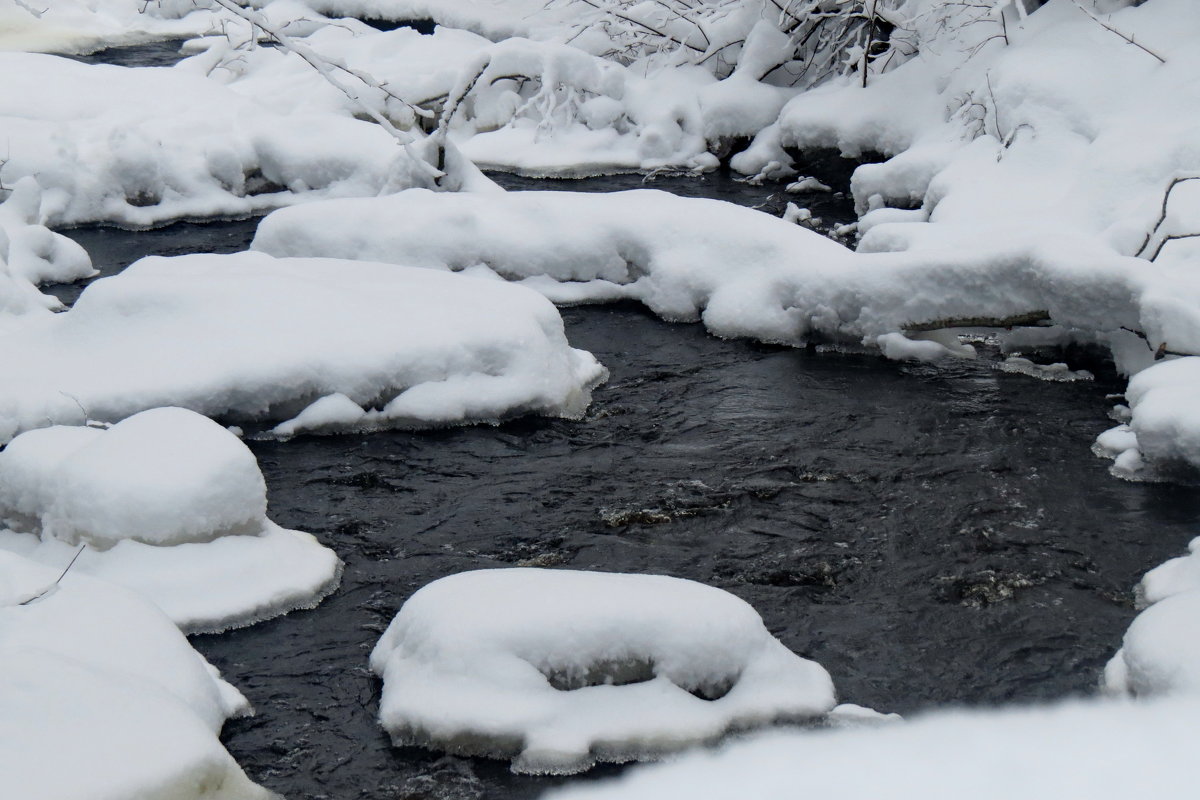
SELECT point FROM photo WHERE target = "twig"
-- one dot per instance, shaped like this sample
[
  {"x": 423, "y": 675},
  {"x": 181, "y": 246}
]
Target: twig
[
  {"x": 54, "y": 585},
  {"x": 1162, "y": 217},
  {"x": 1113, "y": 30}
]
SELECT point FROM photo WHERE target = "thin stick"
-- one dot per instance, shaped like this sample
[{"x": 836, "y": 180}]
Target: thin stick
[
  {"x": 48, "y": 589},
  {"x": 1113, "y": 30}
]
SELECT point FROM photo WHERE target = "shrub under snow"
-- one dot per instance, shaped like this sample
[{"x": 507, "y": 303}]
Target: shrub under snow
[{"x": 558, "y": 669}]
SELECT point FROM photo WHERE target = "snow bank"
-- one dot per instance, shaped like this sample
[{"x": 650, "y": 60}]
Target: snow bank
[
  {"x": 559, "y": 669},
  {"x": 252, "y": 337},
  {"x": 167, "y": 503},
  {"x": 82, "y": 26},
  {"x": 1101, "y": 751},
  {"x": 742, "y": 272},
  {"x": 535, "y": 107},
  {"x": 142, "y": 146},
  {"x": 102, "y": 697}
]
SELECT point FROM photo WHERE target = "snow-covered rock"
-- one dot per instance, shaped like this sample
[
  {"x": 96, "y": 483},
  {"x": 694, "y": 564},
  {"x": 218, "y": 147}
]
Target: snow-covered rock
[
  {"x": 253, "y": 337},
  {"x": 1097, "y": 750},
  {"x": 1160, "y": 653},
  {"x": 102, "y": 697},
  {"x": 558, "y": 669},
  {"x": 166, "y": 503}
]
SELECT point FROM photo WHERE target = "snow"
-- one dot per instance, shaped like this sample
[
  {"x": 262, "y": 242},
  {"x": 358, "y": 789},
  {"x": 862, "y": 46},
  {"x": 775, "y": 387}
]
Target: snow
[
  {"x": 30, "y": 253},
  {"x": 558, "y": 669},
  {"x": 166, "y": 503},
  {"x": 143, "y": 146},
  {"x": 82, "y": 26},
  {"x": 102, "y": 697},
  {"x": 1098, "y": 750},
  {"x": 741, "y": 272},
  {"x": 251, "y": 337},
  {"x": 1160, "y": 653}
]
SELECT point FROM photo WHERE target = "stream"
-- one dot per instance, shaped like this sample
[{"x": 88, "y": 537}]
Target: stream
[{"x": 932, "y": 534}]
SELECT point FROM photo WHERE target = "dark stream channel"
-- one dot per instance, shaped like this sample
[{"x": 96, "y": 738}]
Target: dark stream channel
[{"x": 931, "y": 534}]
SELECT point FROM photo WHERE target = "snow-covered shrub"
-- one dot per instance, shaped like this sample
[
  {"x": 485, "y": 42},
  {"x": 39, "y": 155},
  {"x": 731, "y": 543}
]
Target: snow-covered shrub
[
  {"x": 168, "y": 503},
  {"x": 558, "y": 669},
  {"x": 102, "y": 697}
]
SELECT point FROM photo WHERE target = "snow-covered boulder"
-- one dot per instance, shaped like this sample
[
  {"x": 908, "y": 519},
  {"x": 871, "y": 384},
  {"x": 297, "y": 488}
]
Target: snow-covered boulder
[
  {"x": 1098, "y": 750},
  {"x": 167, "y": 503},
  {"x": 102, "y": 697},
  {"x": 1161, "y": 650},
  {"x": 559, "y": 669},
  {"x": 247, "y": 336}
]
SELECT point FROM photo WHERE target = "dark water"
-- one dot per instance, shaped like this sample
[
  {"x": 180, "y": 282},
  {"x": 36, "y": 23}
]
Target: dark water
[
  {"x": 931, "y": 534},
  {"x": 163, "y": 53}
]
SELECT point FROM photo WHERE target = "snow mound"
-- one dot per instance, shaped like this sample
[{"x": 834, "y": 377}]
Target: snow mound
[
  {"x": 256, "y": 338},
  {"x": 30, "y": 253},
  {"x": 1098, "y": 750},
  {"x": 1160, "y": 653},
  {"x": 141, "y": 146},
  {"x": 102, "y": 697},
  {"x": 167, "y": 503},
  {"x": 559, "y": 669}
]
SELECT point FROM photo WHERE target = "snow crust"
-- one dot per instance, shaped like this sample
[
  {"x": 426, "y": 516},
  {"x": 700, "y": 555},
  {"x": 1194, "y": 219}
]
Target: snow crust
[
  {"x": 558, "y": 669},
  {"x": 253, "y": 337},
  {"x": 102, "y": 697},
  {"x": 166, "y": 503},
  {"x": 1101, "y": 750}
]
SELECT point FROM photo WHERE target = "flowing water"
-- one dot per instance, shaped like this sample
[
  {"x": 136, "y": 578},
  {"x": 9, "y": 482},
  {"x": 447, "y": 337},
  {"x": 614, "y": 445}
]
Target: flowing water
[{"x": 932, "y": 534}]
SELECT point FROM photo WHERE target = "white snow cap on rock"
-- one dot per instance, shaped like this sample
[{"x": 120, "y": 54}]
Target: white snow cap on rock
[
  {"x": 1160, "y": 653},
  {"x": 559, "y": 669},
  {"x": 102, "y": 697},
  {"x": 167, "y": 503},
  {"x": 253, "y": 337},
  {"x": 1097, "y": 750}
]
